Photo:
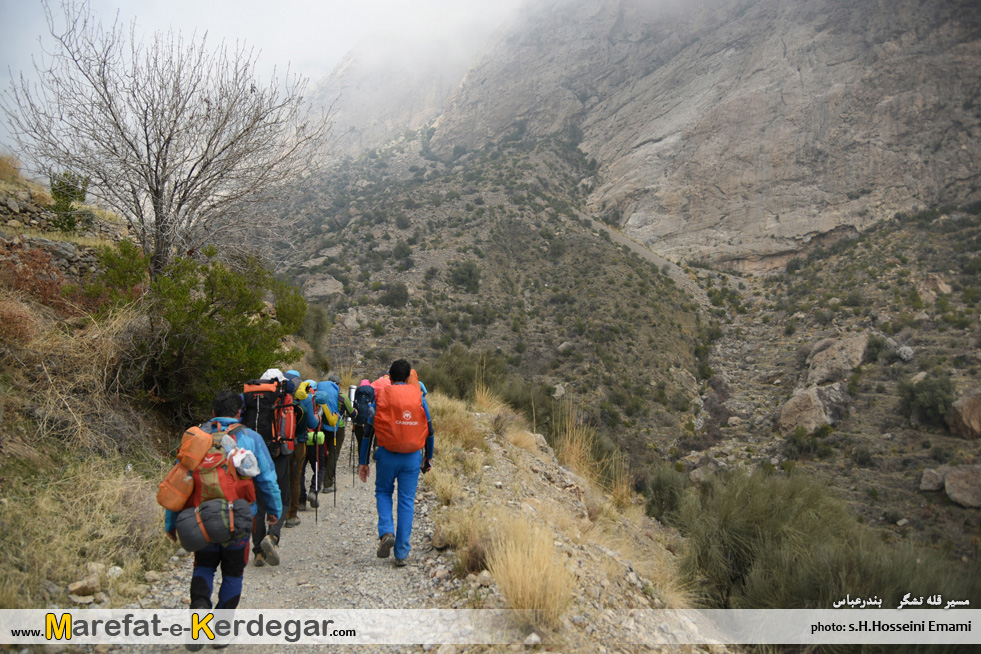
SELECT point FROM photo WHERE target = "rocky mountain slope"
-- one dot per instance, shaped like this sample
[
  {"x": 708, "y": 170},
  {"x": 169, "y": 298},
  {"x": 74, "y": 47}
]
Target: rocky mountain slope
[{"x": 728, "y": 130}]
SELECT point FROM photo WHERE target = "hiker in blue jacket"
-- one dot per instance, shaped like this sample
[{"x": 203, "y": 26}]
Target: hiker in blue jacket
[
  {"x": 232, "y": 557},
  {"x": 405, "y": 436},
  {"x": 298, "y": 492},
  {"x": 330, "y": 397}
]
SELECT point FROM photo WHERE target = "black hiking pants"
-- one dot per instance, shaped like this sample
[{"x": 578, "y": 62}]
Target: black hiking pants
[{"x": 259, "y": 529}]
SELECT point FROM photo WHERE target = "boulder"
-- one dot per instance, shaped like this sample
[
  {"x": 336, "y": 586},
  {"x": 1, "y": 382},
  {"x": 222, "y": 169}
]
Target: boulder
[
  {"x": 351, "y": 322},
  {"x": 88, "y": 586},
  {"x": 963, "y": 485},
  {"x": 964, "y": 417},
  {"x": 932, "y": 480},
  {"x": 936, "y": 284},
  {"x": 814, "y": 407},
  {"x": 322, "y": 287},
  {"x": 838, "y": 361}
]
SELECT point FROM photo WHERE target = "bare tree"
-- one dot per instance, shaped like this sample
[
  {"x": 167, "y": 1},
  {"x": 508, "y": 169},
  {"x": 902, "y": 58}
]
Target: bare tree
[{"x": 182, "y": 140}]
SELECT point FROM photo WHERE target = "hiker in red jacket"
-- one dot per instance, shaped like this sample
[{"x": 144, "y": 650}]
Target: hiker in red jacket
[{"x": 403, "y": 430}]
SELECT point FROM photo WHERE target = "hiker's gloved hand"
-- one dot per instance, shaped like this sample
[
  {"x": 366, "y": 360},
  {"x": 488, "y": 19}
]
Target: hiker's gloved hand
[
  {"x": 427, "y": 465},
  {"x": 271, "y": 519},
  {"x": 172, "y": 535},
  {"x": 363, "y": 473}
]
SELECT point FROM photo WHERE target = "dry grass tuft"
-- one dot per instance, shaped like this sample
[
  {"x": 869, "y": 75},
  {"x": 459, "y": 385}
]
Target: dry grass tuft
[
  {"x": 470, "y": 533},
  {"x": 574, "y": 445},
  {"x": 454, "y": 423},
  {"x": 444, "y": 483},
  {"x": 485, "y": 400},
  {"x": 41, "y": 197},
  {"x": 535, "y": 581},
  {"x": 617, "y": 481},
  {"x": 524, "y": 439},
  {"x": 9, "y": 168},
  {"x": 73, "y": 381},
  {"x": 513, "y": 428},
  {"x": 649, "y": 558},
  {"x": 89, "y": 510},
  {"x": 17, "y": 325}
]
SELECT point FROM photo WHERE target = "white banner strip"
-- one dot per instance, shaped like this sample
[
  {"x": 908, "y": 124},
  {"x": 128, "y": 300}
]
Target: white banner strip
[{"x": 484, "y": 627}]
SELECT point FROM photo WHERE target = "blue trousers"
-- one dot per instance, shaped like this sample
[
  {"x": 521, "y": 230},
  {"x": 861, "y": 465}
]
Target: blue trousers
[
  {"x": 392, "y": 466},
  {"x": 232, "y": 558}
]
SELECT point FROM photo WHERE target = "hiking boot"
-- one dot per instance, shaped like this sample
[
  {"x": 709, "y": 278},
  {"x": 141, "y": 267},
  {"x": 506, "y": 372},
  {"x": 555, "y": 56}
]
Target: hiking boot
[
  {"x": 399, "y": 563},
  {"x": 314, "y": 503},
  {"x": 270, "y": 550},
  {"x": 197, "y": 605},
  {"x": 302, "y": 506},
  {"x": 260, "y": 560},
  {"x": 329, "y": 489},
  {"x": 292, "y": 522},
  {"x": 386, "y": 545}
]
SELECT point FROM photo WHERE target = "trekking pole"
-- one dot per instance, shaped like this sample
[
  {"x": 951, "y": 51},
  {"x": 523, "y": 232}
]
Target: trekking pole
[
  {"x": 335, "y": 467},
  {"x": 316, "y": 474}
]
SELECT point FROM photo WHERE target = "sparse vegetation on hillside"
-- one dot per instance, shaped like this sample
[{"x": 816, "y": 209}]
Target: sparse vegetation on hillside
[{"x": 501, "y": 264}]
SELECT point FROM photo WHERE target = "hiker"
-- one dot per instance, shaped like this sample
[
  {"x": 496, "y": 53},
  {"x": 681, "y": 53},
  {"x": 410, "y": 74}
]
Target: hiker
[
  {"x": 402, "y": 428},
  {"x": 364, "y": 406},
  {"x": 305, "y": 397},
  {"x": 263, "y": 399},
  {"x": 306, "y": 421},
  {"x": 335, "y": 407},
  {"x": 232, "y": 557}
]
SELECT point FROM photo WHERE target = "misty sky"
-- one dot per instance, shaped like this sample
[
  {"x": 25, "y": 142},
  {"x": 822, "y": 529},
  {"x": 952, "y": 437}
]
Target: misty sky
[{"x": 309, "y": 35}]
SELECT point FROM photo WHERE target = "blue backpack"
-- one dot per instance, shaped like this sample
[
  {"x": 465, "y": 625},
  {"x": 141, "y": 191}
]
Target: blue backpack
[
  {"x": 327, "y": 399},
  {"x": 364, "y": 403}
]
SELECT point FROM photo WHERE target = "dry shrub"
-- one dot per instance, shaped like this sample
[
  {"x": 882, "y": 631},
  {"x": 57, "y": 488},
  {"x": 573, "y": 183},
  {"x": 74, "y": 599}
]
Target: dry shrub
[
  {"x": 31, "y": 272},
  {"x": 444, "y": 483},
  {"x": 17, "y": 325},
  {"x": 9, "y": 168},
  {"x": 535, "y": 581},
  {"x": 88, "y": 510},
  {"x": 75, "y": 381},
  {"x": 454, "y": 423}
]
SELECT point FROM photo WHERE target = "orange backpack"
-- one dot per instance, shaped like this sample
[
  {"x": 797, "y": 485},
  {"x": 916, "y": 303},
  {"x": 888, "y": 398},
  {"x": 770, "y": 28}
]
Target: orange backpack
[{"x": 400, "y": 420}]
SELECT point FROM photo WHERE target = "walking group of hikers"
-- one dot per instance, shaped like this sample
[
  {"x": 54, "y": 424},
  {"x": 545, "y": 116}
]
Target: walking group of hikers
[{"x": 239, "y": 472}]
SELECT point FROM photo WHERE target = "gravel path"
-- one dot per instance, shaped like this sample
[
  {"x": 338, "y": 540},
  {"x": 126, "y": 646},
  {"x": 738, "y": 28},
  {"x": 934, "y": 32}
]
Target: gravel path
[{"x": 329, "y": 563}]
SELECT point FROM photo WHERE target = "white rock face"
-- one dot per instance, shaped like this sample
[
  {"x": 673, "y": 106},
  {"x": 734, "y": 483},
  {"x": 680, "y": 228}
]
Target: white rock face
[{"x": 737, "y": 130}]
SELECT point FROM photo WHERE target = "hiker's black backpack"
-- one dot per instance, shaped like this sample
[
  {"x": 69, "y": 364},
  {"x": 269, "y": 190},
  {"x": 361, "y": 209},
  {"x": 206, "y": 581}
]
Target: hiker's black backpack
[
  {"x": 269, "y": 410},
  {"x": 364, "y": 403}
]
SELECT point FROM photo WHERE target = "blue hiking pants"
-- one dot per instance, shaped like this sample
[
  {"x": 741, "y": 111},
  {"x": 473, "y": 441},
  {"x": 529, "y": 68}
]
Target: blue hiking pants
[{"x": 392, "y": 466}]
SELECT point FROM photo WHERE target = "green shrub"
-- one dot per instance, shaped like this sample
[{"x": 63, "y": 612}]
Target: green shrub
[
  {"x": 465, "y": 275},
  {"x": 397, "y": 295},
  {"x": 765, "y": 541},
  {"x": 208, "y": 327},
  {"x": 862, "y": 455},
  {"x": 928, "y": 400},
  {"x": 68, "y": 191},
  {"x": 665, "y": 489}
]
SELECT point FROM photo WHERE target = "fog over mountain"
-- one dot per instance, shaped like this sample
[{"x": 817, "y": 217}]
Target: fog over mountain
[{"x": 729, "y": 130}]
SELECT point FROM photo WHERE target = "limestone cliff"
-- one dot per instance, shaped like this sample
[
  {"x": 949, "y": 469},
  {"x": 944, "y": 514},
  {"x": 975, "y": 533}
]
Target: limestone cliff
[{"x": 735, "y": 130}]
